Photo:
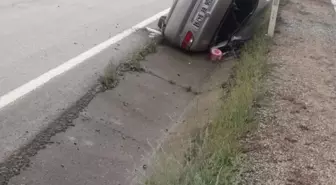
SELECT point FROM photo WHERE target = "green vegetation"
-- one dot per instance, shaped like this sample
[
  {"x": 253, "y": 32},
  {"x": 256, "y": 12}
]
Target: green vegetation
[
  {"x": 110, "y": 78},
  {"x": 214, "y": 156}
]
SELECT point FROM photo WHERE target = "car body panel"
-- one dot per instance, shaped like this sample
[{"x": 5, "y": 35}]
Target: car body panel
[
  {"x": 245, "y": 32},
  {"x": 181, "y": 18},
  {"x": 183, "y": 13}
]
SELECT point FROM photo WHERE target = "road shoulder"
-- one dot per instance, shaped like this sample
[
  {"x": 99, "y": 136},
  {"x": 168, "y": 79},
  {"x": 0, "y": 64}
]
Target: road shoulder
[
  {"x": 295, "y": 141},
  {"x": 109, "y": 135}
]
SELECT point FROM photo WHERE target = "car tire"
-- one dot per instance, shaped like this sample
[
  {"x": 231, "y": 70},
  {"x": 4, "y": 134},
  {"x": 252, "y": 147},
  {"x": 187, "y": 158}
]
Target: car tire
[{"x": 162, "y": 22}]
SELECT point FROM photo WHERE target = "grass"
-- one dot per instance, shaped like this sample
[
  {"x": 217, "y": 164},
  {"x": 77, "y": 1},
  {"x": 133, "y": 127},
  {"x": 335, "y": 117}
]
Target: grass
[
  {"x": 133, "y": 63},
  {"x": 214, "y": 155},
  {"x": 110, "y": 78}
]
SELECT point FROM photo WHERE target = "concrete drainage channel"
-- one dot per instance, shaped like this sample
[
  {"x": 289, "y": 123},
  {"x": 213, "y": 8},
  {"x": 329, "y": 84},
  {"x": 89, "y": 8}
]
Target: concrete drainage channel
[{"x": 107, "y": 135}]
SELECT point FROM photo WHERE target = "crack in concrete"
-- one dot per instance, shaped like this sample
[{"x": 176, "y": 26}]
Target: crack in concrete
[
  {"x": 120, "y": 133},
  {"x": 187, "y": 88}
]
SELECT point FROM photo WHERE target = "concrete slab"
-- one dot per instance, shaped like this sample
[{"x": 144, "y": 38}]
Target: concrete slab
[
  {"x": 142, "y": 106},
  {"x": 117, "y": 131},
  {"x": 91, "y": 153},
  {"x": 219, "y": 76},
  {"x": 111, "y": 135},
  {"x": 183, "y": 69}
]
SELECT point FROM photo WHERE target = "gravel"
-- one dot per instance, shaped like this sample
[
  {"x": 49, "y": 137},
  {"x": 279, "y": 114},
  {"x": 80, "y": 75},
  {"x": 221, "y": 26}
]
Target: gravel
[{"x": 296, "y": 140}]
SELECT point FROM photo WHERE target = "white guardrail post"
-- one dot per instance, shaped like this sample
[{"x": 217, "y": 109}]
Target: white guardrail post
[{"x": 273, "y": 18}]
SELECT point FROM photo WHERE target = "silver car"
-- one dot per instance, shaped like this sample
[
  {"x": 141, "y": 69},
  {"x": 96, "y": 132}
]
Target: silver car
[{"x": 197, "y": 25}]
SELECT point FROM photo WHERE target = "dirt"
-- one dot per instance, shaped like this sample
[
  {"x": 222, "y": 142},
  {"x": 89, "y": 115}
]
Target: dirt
[{"x": 295, "y": 142}]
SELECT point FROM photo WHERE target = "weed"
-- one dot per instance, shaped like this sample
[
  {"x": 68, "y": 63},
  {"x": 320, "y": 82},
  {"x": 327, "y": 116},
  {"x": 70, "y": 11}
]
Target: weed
[
  {"x": 110, "y": 78},
  {"x": 188, "y": 89},
  {"x": 213, "y": 157},
  {"x": 108, "y": 81},
  {"x": 133, "y": 64}
]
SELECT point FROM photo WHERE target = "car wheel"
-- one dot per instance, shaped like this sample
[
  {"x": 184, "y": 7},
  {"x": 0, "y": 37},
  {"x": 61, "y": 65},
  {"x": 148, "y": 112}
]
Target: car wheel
[{"x": 162, "y": 22}]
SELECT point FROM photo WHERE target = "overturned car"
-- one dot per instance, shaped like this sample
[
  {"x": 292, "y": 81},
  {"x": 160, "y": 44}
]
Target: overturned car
[{"x": 197, "y": 25}]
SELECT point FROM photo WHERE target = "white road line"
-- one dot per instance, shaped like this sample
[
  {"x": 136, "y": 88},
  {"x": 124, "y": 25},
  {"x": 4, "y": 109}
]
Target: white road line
[
  {"x": 333, "y": 2},
  {"x": 44, "y": 78}
]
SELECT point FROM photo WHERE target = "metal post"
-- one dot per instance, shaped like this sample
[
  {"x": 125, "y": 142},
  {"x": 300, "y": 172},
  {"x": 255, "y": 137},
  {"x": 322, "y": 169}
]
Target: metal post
[{"x": 274, "y": 13}]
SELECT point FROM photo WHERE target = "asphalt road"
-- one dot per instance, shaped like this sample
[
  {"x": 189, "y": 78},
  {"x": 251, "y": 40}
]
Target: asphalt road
[{"x": 37, "y": 36}]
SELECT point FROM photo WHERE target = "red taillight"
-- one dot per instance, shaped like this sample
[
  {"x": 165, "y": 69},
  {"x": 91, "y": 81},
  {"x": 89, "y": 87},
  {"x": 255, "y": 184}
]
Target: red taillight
[{"x": 188, "y": 40}]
